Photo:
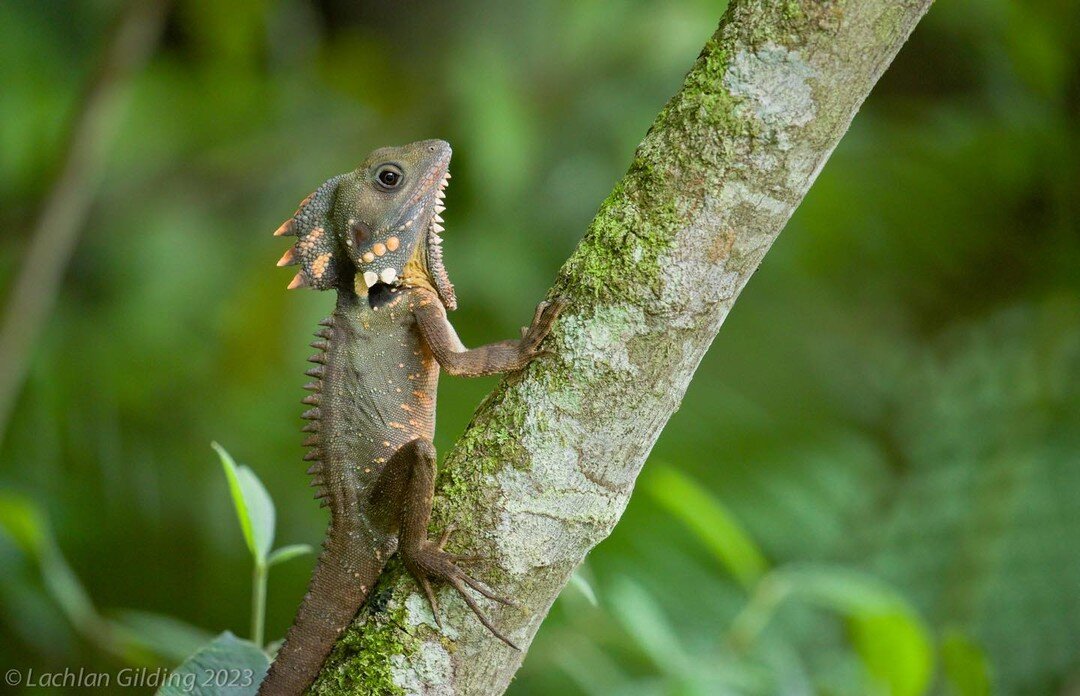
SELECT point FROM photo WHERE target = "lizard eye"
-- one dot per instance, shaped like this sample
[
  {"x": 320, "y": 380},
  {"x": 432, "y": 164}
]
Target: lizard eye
[{"x": 389, "y": 177}]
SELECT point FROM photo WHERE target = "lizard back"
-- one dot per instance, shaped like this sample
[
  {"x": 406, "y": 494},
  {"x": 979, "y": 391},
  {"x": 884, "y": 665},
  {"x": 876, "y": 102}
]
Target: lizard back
[
  {"x": 374, "y": 391},
  {"x": 377, "y": 392}
]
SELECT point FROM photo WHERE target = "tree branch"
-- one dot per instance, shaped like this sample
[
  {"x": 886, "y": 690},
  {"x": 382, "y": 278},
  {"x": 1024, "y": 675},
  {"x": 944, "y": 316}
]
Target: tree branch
[{"x": 547, "y": 466}]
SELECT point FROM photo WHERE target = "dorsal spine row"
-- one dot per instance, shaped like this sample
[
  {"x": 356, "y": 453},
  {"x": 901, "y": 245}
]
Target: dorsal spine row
[{"x": 312, "y": 415}]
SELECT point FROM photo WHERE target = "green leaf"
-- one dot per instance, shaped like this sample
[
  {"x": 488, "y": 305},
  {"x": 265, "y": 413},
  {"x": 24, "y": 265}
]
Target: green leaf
[
  {"x": 65, "y": 587},
  {"x": 644, "y": 619},
  {"x": 967, "y": 669},
  {"x": 254, "y": 509},
  {"x": 888, "y": 635},
  {"x": 163, "y": 635},
  {"x": 273, "y": 646},
  {"x": 579, "y": 583},
  {"x": 844, "y": 591},
  {"x": 710, "y": 520},
  {"x": 228, "y": 666},
  {"x": 24, "y": 523},
  {"x": 895, "y": 649},
  {"x": 287, "y": 553}
]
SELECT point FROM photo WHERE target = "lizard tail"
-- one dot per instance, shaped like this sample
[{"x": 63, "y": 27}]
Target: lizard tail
[{"x": 342, "y": 580}]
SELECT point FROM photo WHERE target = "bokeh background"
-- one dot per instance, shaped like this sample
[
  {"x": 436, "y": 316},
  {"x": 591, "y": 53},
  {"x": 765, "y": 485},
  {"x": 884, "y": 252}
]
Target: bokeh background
[{"x": 871, "y": 486}]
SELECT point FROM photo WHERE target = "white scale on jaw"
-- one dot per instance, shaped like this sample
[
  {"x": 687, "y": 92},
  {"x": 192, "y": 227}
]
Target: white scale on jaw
[{"x": 389, "y": 275}]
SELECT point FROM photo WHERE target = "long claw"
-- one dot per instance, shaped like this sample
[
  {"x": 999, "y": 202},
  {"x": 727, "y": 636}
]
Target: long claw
[
  {"x": 543, "y": 319},
  {"x": 445, "y": 536},
  {"x": 537, "y": 313},
  {"x": 426, "y": 585},
  {"x": 553, "y": 309},
  {"x": 430, "y": 562},
  {"x": 482, "y": 589},
  {"x": 453, "y": 580}
]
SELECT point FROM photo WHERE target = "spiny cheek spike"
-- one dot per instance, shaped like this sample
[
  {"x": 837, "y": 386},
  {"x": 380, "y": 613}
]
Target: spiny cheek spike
[{"x": 288, "y": 258}]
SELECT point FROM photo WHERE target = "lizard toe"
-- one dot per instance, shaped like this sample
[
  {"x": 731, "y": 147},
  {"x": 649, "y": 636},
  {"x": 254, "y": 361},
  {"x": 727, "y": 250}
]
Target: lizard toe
[{"x": 429, "y": 562}]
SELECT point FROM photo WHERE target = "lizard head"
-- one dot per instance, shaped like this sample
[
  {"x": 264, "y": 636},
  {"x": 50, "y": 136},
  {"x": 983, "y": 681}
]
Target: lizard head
[{"x": 378, "y": 224}]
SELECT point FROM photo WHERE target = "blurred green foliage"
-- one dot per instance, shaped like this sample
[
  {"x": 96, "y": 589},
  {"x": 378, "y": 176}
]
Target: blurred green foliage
[{"x": 894, "y": 402}]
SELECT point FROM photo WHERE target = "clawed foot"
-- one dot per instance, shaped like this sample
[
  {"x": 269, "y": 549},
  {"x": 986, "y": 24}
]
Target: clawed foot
[
  {"x": 431, "y": 562},
  {"x": 543, "y": 319}
]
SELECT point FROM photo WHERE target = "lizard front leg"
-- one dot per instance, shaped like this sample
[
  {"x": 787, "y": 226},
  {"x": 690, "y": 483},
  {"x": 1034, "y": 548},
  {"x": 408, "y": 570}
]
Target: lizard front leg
[
  {"x": 505, "y": 356},
  {"x": 407, "y": 487}
]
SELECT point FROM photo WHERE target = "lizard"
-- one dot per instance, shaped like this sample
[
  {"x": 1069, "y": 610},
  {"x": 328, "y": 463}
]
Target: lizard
[{"x": 374, "y": 236}]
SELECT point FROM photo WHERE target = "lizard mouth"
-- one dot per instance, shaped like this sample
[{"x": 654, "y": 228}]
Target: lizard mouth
[
  {"x": 404, "y": 271},
  {"x": 434, "y": 258}
]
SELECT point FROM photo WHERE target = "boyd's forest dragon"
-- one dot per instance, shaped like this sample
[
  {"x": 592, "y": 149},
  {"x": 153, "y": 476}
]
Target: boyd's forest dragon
[{"x": 373, "y": 236}]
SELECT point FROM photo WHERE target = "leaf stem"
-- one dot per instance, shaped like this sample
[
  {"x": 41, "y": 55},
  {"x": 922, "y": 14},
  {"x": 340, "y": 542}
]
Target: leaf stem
[{"x": 258, "y": 603}]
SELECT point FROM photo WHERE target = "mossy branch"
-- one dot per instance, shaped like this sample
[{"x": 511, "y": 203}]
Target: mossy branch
[{"x": 547, "y": 466}]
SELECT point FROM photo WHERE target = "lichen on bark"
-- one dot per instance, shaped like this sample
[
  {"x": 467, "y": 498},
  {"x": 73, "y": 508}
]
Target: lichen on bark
[{"x": 547, "y": 466}]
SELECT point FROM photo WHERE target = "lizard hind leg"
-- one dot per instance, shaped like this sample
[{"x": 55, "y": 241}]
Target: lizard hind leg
[{"x": 424, "y": 558}]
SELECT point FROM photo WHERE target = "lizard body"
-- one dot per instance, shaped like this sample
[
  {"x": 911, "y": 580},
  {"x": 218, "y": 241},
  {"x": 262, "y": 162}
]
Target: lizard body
[{"x": 373, "y": 236}]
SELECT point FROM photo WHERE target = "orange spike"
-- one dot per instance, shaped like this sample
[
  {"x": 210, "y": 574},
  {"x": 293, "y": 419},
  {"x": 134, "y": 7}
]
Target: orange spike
[
  {"x": 285, "y": 229},
  {"x": 298, "y": 282},
  {"x": 288, "y": 258}
]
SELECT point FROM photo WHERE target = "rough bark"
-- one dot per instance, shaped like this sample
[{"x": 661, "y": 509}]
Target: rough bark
[{"x": 547, "y": 466}]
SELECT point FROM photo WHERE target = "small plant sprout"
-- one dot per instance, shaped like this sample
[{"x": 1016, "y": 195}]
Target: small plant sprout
[{"x": 255, "y": 512}]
